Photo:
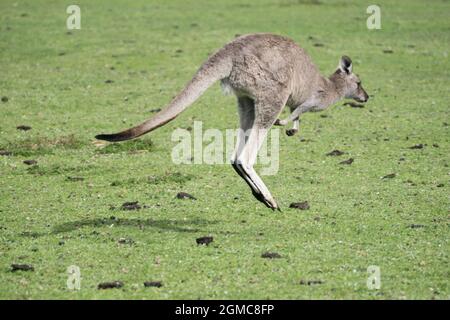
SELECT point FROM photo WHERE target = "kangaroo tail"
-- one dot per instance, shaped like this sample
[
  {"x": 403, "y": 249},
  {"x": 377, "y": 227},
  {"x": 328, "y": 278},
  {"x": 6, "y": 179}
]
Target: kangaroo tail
[{"x": 217, "y": 67}]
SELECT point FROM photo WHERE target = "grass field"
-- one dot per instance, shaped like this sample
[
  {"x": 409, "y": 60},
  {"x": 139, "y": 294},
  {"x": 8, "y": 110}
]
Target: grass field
[{"x": 132, "y": 57}]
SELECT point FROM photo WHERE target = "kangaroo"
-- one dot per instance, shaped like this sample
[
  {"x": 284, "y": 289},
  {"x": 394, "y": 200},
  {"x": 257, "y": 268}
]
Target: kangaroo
[{"x": 266, "y": 72}]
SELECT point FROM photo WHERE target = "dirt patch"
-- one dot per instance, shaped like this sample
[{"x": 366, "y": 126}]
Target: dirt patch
[
  {"x": 389, "y": 176},
  {"x": 126, "y": 182},
  {"x": 417, "y": 146},
  {"x": 348, "y": 161},
  {"x": 5, "y": 153},
  {"x": 416, "y": 226},
  {"x": 125, "y": 241},
  {"x": 21, "y": 267},
  {"x": 185, "y": 195},
  {"x": 133, "y": 205},
  {"x": 157, "y": 284},
  {"x": 69, "y": 178},
  {"x": 271, "y": 255},
  {"x": 30, "y": 162},
  {"x": 310, "y": 282},
  {"x": 110, "y": 285},
  {"x": 23, "y": 128},
  {"x": 300, "y": 205},
  {"x": 335, "y": 153},
  {"x": 204, "y": 240}
]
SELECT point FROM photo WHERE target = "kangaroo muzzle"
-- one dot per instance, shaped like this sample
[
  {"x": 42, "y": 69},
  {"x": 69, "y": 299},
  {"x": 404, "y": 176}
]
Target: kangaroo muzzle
[{"x": 362, "y": 96}]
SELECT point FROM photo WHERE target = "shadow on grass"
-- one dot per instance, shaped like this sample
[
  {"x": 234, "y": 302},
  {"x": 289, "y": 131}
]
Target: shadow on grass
[
  {"x": 168, "y": 177},
  {"x": 59, "y": 169},
  {"x": 133, "y": 146},
  {"x": 189, "y": 225},
  {"x": 38, "y": 146}
]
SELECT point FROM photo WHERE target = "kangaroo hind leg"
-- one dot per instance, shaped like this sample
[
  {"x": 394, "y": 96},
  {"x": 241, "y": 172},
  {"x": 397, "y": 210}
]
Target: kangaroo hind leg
[
  {"x": 246, "y": 110},
  {"x": 245, "y": 157}
]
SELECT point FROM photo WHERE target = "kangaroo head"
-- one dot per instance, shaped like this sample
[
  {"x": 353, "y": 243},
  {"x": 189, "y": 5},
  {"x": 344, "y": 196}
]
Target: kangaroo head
[{"x": 347, "y": 82}]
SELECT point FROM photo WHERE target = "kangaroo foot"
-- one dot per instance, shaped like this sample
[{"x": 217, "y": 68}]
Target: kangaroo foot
[{"x": 269, "y": 203}]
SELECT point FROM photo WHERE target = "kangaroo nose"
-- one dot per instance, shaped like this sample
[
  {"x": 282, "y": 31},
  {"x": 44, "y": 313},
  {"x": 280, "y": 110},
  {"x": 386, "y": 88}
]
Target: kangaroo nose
[{"x": 365, "y": 97}]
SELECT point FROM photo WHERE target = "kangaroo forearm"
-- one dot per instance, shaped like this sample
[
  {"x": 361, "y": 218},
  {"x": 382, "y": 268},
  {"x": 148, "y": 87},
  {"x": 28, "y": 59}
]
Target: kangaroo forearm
[
  {"x": 296, "y": 124},
  {"x": 292, "y": 117}
]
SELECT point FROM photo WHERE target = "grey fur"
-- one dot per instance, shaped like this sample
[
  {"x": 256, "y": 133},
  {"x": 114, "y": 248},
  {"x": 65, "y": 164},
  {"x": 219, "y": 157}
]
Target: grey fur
[{"x": 265, "y": 72}]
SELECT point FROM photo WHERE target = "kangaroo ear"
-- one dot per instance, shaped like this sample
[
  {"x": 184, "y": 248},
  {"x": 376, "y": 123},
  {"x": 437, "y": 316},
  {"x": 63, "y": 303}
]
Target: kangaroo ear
[{"x": 346, "y": 64}]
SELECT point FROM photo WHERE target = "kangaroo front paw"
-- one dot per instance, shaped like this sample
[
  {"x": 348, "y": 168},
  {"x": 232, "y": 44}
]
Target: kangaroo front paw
[
  {"x": 291, "y": 132},
  {"x": 279, "y": 122}
]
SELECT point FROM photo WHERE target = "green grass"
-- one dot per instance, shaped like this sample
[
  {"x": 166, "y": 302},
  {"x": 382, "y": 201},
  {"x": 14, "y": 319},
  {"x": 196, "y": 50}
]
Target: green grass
[{"x": 55, "y": 83}]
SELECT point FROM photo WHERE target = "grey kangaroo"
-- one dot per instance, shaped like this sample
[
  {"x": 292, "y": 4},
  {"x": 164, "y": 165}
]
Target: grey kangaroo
[{"x": 266, "y": 72}]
